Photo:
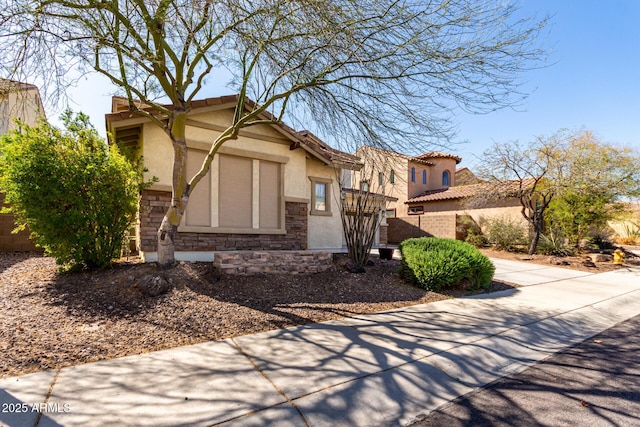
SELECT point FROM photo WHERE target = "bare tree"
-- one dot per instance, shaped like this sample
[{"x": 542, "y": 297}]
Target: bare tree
[
  {"x": 363, "y": 204},
  {"x": 381, "y": 72},
  {"x": 531, "y": 173}
]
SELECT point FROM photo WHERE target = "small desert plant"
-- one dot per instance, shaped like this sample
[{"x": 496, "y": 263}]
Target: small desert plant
[
  {"x": 505, "y": 233},
  {"x": 600, "y": 241},
  {"x": 553, "y": 244},
  {"x": 434, "y": 263}
]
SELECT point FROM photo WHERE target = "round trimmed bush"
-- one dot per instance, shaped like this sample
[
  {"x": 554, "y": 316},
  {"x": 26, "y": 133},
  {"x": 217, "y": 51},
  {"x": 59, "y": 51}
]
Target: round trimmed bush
[{"x": 435, "y": 263}]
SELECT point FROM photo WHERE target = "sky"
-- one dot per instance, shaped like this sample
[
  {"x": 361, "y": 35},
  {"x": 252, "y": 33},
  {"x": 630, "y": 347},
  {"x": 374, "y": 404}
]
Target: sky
[{"x": 592, "y": 81}]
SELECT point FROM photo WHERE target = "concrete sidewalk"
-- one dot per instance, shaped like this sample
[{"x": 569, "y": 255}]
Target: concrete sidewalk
[{"x": 379, "y": 369}]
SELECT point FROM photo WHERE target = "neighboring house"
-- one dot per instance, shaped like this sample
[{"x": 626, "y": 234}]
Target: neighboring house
[
  {"x": 404, "y": 177},
  {"x": 271, "y": 189},
  {"x": 433, "y": 196},
  {"x": 17, "y": 101}
]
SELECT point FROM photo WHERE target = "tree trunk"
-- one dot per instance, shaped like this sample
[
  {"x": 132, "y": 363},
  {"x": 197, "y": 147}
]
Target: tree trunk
[
  {"x": 534, "y": 241},
  {"x": 166, "y": 245},
  {"x": 537, "y": 231},
  {"x": 180, "y": 191}
]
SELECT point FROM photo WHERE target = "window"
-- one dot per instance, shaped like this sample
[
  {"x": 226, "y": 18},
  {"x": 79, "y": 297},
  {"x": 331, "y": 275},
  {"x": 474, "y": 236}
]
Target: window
[
  {"x": 392, "y": 177},
  {"x": 424, "y": 176},
  {"x": 413, "y": 174},
  {"x": 320, "y": 196},
  {"x": 391, "y": 213},
  {"x": 364, "y": 185},
  {"x": 416, "y": 210},
  {"x": 380, "y": 179},
  {"x": 445, "y": 178}
]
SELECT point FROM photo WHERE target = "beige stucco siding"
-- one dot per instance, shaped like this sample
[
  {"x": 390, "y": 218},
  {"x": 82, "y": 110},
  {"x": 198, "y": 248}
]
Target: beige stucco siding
[
  {"x": 158, "y": 152},
  {"x": 24, "y": 105},
  {"x": 324, "y": 231}
]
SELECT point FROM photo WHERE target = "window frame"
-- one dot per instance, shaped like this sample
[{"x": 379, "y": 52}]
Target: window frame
[
  {"x": 446, "y": 174},
  {"x": 327, "y": 182},
  {"x": 415, "y": 210}
]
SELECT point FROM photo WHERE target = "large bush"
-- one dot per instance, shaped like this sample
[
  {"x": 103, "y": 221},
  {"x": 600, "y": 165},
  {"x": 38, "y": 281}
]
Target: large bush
[
  {"x": 77, "y": 195},
  {"x": 434, "y": 263}
]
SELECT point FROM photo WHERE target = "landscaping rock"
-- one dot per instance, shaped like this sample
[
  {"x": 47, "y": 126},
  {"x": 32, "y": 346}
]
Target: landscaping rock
[
  {"x": 600, "y": 257},
  {"x": 153, "y": 286},
  {"x": 558, "y": 261}
]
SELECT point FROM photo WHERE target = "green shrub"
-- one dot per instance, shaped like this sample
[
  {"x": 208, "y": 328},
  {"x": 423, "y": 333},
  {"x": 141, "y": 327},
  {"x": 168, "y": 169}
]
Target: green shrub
[
  {"x": 434, "y": 263},
  {"x": 476, "y": 238},
  {"x": 505, "y": 233},
  {"x": 76, "y": 194}
]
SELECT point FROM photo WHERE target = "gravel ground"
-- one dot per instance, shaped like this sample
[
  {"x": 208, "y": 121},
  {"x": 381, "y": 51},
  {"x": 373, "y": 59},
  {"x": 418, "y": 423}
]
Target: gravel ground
[{"x": 51, "y": 320}]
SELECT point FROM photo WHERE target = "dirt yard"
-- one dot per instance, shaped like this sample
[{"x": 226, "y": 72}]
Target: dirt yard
[{"x": 50, "y": 320}]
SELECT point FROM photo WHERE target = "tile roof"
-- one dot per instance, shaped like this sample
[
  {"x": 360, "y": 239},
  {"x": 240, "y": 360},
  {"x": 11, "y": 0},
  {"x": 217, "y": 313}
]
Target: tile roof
[
  {"x": 436, "y": 155},
  {"x": 504, "y": 188},
  {"x": 329, "y": 153}
]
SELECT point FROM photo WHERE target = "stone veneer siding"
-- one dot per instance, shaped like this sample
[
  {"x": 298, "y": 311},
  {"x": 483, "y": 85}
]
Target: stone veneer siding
[
  {"x": 288, "y": 262},
  {"x": 154, "y": 204}
]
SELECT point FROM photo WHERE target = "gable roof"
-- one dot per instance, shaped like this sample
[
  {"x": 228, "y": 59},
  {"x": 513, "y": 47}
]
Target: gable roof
[
  {"x": 303, "y": 139},
  {"x": 504, "y": 188},
  {"x": 329, "y": 153}
]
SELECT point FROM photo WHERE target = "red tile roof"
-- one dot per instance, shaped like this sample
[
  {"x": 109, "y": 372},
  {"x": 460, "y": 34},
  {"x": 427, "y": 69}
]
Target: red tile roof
[
  {"x": 504, "y": 188},
  {"x": 436, "y": 155}
]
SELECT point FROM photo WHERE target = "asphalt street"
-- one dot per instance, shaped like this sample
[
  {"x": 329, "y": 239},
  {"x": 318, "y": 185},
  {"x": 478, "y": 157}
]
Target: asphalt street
[{"x": 595, "y": 383}]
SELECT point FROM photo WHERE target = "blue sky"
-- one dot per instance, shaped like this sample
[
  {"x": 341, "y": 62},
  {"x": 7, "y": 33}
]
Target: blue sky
[{"x": 592, "y": 82}]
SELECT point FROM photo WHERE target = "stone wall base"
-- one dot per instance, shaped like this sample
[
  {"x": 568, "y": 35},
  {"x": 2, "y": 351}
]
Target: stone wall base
[{"x": 287, "y": 262}]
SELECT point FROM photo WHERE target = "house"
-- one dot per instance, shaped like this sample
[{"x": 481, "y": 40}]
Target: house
[
  {"x": 273, "y": 188},
  {"x": 404, "y": 177},
  {"x": 17, "y": 101},
  {"x": 432, "y": 195}
]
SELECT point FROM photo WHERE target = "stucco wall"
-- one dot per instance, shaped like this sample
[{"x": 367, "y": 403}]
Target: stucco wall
[
  {"x": 157, "y": 151},
  {"x": 325, "y": 232},
  {"x": 440, "y": 219},
  {"x": 24, "y": 105}
]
